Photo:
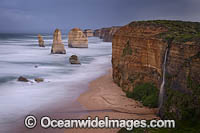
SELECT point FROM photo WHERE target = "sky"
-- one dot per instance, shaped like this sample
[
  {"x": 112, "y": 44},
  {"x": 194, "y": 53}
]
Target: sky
[{"x": 44, "y": 16}]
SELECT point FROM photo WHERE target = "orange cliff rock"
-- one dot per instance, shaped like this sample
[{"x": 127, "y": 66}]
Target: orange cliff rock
[
  {"x": 77, "y": 39},
  {"x": 88, "y": 32},
  {"x": 58, "y": 46},
  {"x": 106, "y": 33},
  {"x": 138, "y": 51},
  {"x": 40, "y": 41}
]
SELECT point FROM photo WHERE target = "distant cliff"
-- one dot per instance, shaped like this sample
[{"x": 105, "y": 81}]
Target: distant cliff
[
  {"x": 138, "y": 54},
  {"x": 106, "y": 33}
]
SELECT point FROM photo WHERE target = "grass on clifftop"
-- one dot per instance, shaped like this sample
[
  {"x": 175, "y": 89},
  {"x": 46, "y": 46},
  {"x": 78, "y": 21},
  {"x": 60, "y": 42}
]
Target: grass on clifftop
[
  {"x": 147, "y": 93},
  {"x": 181, "y": 31}
]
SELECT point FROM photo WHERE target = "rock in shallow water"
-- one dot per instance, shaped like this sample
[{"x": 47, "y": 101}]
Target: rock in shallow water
[
  {"x": 38, "y": 80},
  {"x": 58, "y": 46},
  {"x": 89, "y": 32},
  {"x": 40, "y": 41},
  {"x": 74, "y": 60},
  {"x": 22, "y": 79},
  {"x": 77, "y": 39}
]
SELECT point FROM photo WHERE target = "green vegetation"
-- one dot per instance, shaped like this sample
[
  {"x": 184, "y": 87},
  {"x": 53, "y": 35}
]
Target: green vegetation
[
  {"x": 181, "y": 106},
  {"x": 179, "y": 30},
  {"x": 127, "y": 50},
  {"x": 147, "y": 93}
]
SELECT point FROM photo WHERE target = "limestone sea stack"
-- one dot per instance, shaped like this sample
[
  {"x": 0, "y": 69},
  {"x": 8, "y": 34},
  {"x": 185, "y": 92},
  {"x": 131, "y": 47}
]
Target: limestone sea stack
[
  {"x": 89, "y": 32},
  {"x": 58, "y": 46},
  {"x": 77, "y": 39},
  {"x": 40, "y": 41}
]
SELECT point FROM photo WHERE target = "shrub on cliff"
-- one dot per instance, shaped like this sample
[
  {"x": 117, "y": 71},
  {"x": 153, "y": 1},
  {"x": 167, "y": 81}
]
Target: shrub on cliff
[{"x": 147, "y": 93}]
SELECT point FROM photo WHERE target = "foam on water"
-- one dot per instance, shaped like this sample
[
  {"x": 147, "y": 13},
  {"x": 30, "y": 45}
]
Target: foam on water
[{"x": 18, "y": 57}]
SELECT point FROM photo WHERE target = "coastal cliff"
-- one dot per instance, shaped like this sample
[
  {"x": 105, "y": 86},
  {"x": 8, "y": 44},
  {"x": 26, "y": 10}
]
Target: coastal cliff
[
  {"x": 139, "y": 50},
  {"x": 106, "y": 33}
]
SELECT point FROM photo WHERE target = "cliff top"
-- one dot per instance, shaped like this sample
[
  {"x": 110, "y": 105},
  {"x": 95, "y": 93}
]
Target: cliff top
[{"x": 181, "y": 31}]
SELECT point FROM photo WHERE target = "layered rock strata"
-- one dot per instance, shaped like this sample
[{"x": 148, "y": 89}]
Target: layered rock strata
[
  {"x": 77, "y": 39},
  {"x": 89, "y": 33},
  {"x": 58, "y": 46},
  {"x": 138, "y": 51},
  {"x": 106, "y": 33},
  {"x": 40, "y": 41}
]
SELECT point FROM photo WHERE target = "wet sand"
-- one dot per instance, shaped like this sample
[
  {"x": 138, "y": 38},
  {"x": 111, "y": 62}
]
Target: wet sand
[{"x": 105, "y": 98}]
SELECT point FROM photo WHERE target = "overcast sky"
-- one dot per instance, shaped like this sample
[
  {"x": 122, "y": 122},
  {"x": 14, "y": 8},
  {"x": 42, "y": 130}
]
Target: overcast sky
[{"x": 46, "y": 15}]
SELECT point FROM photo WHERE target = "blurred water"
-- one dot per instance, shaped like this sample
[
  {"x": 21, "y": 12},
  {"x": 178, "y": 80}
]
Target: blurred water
[{"x": 20, "y": 53}]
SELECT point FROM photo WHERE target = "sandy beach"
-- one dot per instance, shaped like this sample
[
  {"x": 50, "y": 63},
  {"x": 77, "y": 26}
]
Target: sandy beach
[{"x": 105, "y": 98}]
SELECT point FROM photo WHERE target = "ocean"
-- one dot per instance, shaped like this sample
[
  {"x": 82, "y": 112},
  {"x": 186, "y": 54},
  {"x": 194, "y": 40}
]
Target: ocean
[{"x": 20, "y": 53}]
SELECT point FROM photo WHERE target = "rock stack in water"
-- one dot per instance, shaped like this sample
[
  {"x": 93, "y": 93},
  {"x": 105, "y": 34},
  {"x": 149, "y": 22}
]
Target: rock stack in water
[
  {"x": 58, "y": 46},
  {"x": 89, "y": 33},
  {"x": 77, "y": 39},
  {"x": 74, "y": 60},
  {"x": 40, "y": 41}
]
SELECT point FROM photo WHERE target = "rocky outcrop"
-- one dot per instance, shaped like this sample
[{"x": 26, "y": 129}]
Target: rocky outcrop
[
  {"x": 38, "y": 80},
  {"x": 74, "y": 60},
  {"x": 58, "y": 46},
  {"x": 89, "y": 33},
  {"x": 40, "y": 41},
  {"x": 106, "y": 33},
  {"x": 97, "y": 32},
  {"x": 22, "y": 79},
  {"x": 138, "y": 52},
  {"x": 77, "y": 39}
]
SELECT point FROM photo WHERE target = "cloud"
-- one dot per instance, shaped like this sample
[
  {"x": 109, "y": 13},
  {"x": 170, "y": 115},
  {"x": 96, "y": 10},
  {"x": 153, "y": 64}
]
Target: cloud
[{"x": 46, "y": 15}]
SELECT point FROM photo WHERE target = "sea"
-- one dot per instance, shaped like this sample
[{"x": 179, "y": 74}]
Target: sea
[{"x": 20, "y": 55}]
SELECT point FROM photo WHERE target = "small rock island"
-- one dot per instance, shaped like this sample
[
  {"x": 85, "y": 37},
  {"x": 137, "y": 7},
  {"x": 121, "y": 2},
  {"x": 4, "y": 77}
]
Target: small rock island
[
  {"x": 77, "y": 39},
  {"x": 40, "y": 41},
  {"x": 58, "y": 46},
  {"x": 89, "y": 32}
]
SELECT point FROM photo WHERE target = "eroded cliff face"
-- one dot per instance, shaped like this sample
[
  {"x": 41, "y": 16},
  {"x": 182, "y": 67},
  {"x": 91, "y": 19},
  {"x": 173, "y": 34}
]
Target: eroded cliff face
[
  {"x": 137, "y": 56},
  {"x": 138, "y": 52},
  {"x": 106, "y": 33}
]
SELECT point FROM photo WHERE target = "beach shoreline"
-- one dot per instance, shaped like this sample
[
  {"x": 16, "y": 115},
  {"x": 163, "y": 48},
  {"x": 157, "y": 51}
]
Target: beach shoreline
[
  {"x": 102, "y": 98},
  {"x": 105, "y": 98}
]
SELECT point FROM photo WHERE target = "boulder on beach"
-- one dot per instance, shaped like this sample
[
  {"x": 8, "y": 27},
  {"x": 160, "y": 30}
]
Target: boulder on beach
[
  {"x": 77, "y": 39},
  {"x": 40, "y": 41},
  {"x": 22, "y": 79},
  {"x": 74, "y": 60},
  {"x": 58, "y": 46},
  {"x": 38, "y": 80}
]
